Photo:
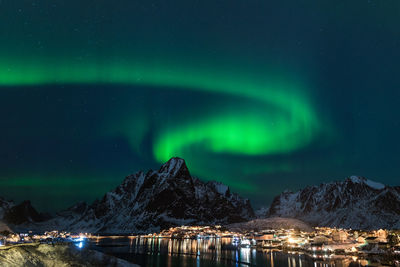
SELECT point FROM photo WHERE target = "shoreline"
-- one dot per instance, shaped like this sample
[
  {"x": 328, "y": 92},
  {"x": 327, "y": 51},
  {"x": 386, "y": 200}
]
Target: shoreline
[{"x": 58, "y": 254}]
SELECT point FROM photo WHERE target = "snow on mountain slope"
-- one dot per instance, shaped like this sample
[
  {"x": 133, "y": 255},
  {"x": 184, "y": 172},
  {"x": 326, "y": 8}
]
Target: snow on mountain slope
[
  {"x": 355, "y": 203},
  {"x": 148, "y": 202},
  {"x": 271, "y": 223},
  {"x": 362, "y": 180}
]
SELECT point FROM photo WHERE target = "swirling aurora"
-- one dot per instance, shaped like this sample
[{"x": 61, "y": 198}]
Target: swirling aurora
[
  {"x": 262, "y": 96},
  {"x": 287, "y": 123}
]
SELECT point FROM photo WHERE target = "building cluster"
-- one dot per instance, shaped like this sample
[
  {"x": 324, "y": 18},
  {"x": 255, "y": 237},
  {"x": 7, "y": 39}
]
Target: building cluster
[
  {"x": 9, "y": 239},
  {"x": 323, "y": 240},
  {"x": 330, "y": 240},
  {"x": 193, "y": 232}
]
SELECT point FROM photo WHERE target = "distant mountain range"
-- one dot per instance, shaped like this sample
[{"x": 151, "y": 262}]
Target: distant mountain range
[
  {"x": 145, "y": 202},
  {"x": 356, "y": 203},
  {"x": 155, "y": 200}
]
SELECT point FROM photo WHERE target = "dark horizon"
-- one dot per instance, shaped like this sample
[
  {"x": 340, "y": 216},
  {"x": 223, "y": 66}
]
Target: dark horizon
[{"x": 89, "y": 201}]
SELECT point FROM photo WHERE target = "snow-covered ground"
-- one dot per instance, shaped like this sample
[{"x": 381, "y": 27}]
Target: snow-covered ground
[
  {"x": 271, "y": 223},
  {"x": 56, "y": 255}
]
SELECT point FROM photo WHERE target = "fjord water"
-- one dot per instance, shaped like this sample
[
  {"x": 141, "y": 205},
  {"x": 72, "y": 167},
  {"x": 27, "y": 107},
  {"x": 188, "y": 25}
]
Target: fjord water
[{"x": 203, "y": 252}]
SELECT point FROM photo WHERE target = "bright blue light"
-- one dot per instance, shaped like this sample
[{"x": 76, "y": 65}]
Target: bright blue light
[{"x": 79, "y": 245}]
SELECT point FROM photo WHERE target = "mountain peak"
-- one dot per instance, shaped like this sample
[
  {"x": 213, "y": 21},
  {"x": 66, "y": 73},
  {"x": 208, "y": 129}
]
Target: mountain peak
[
  {"x": 149, "y": 202},
  {"x": 361, "y": 180},
  {"x": 175, "y": 167},
  {"x": 356, "y": 203}
]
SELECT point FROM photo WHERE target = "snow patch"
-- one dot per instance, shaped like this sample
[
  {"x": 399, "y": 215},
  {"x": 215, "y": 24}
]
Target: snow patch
[
  {"x": 372, "y": 184},
  {"x": 375, "y": 185},
  {"x": 221, "y": 188}
]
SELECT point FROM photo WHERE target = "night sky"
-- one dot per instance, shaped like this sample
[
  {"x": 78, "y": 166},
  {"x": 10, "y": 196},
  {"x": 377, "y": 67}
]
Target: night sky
[{"x": 260, "y": 95}]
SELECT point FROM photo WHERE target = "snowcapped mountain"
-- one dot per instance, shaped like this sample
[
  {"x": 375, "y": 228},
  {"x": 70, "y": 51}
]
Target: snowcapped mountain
[
  {"x": 356, "y": 203},
  {"x": 155, "y": 200}
]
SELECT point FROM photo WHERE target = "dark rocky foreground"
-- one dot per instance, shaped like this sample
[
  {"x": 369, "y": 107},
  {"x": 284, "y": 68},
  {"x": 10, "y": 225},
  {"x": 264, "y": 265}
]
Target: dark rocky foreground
[{"x": 56, "y": 255}]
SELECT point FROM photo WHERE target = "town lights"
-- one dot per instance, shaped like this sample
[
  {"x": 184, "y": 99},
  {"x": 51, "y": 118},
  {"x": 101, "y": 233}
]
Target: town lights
[{"x": 245, "y": 243}]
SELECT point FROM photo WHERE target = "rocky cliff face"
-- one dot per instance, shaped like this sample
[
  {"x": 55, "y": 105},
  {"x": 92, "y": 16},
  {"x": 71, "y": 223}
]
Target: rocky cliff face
[
  {"x": 356, "y": 203},
  {"x": 155, "y": 200}
]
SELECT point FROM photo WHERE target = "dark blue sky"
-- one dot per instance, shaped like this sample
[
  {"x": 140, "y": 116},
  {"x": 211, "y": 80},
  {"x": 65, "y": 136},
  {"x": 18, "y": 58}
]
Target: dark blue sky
[{"x": 263, "y": 96}]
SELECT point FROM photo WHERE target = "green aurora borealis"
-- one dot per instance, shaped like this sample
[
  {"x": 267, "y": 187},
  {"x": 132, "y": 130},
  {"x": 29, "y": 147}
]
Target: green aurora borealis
[
  {"x": 91, "y": 93},
  {"x": 284, "y": 121},
  {"x": 291, "y": 125}
]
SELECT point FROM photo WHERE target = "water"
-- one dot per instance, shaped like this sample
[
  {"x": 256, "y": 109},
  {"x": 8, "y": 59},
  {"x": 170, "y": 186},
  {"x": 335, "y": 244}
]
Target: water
[{"x": 207, "y": 252}]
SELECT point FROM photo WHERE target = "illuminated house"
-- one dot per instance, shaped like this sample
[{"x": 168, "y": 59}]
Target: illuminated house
[
  {"x": 360, "y": 239},
  {"x": 322, "y": 239},
  {"x": 264, "y": 237},
  {"x": 381, "y": 235},
  {"x": 339, "y": 236}
]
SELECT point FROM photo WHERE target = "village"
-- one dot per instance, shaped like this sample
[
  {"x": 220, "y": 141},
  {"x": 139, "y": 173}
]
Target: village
[
  {"x": 321, "y": 241},
  {"x": 9, "y": 239}
]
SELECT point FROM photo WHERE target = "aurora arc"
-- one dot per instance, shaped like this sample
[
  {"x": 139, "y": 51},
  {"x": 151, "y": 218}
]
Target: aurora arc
[{"x": 291, "y": 127}]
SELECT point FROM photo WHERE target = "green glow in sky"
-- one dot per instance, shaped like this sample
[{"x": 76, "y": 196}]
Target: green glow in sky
[
  {"x": 237, "y": 133},
  {"x": 289, "y": 122},
  {"x": 253, "y": 95}
]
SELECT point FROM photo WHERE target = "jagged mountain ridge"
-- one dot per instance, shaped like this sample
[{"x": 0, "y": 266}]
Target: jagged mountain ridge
[
  {"x": 152, "y": 201},
  {"x": 356, "y": 203}
]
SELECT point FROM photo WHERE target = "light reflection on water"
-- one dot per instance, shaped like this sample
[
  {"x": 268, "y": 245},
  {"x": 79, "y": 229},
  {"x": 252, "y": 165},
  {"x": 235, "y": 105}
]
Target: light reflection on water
[
  {"x": 205, "y": 252},
  {"x": 79, "y": 244}
]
